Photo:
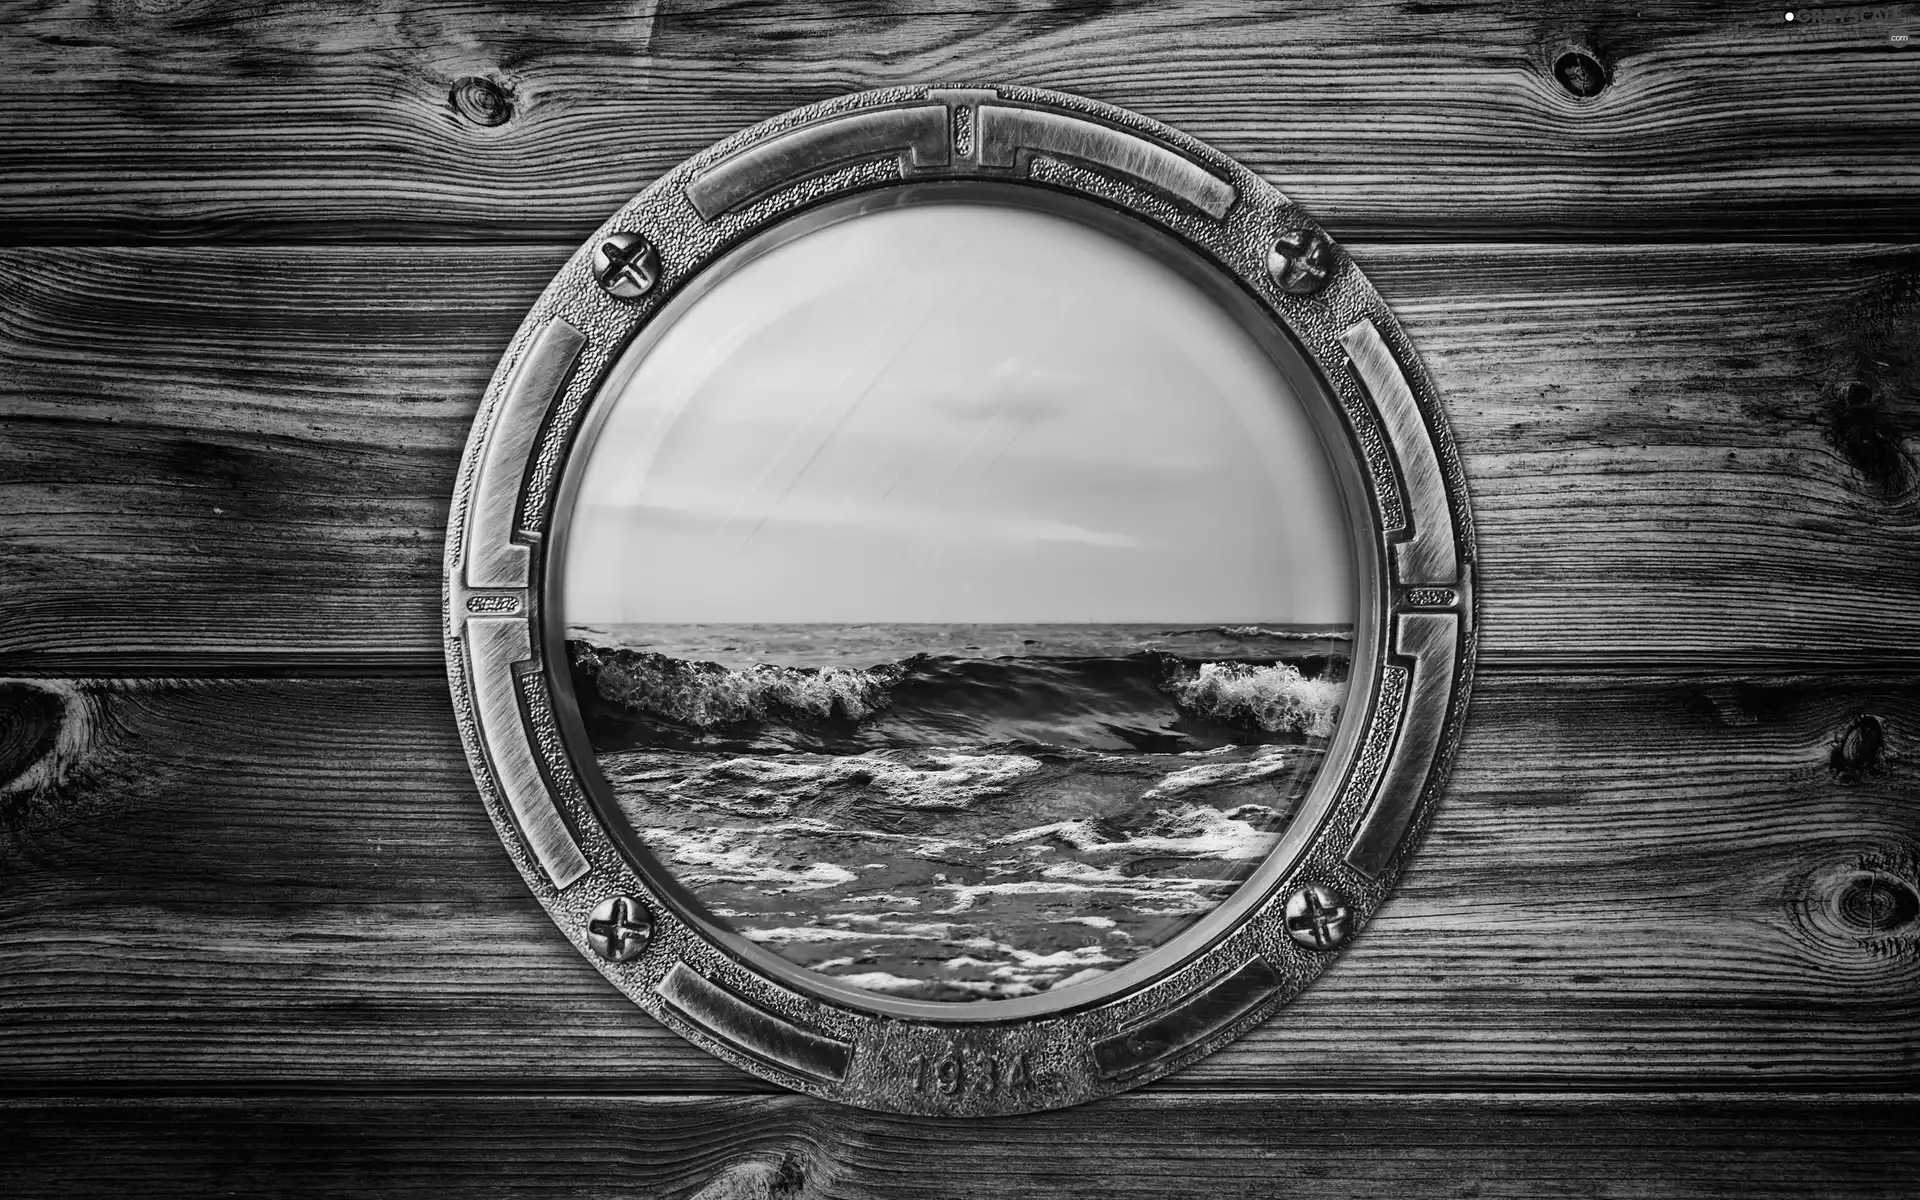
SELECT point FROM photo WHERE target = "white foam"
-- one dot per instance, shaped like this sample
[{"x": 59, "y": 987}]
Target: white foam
[
  {"x": 881, "y": 981},
  {"x": 1277, "y": 697},
  {"x": 1078, "y": 977},
  {"x": 828, "y": 933},
  {"x": 1074, "y": 878},
  {"x": 705, "y": 694},
  {"x": 954, "y": 780},
  {"x": 728, "y": 856},
  {"x": 1218, "y": 774},
  {"x": 1192, "y": 831}
]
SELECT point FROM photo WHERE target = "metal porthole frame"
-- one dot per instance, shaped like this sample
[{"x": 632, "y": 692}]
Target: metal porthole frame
[{"x": 1412, "y": 663}]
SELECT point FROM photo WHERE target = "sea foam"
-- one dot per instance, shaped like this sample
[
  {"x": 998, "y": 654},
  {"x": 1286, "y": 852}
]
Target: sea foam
[
  {"x": 1277, "y": 698},
  {"x": 705, "y": 695}
]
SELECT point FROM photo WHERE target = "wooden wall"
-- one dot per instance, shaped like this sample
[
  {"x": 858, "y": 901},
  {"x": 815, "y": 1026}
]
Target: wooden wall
[{"x": 257, "y": 262}]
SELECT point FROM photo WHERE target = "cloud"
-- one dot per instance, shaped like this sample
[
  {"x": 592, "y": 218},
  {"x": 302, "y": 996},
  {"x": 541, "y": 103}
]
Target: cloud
[{"x": 685, "y": 508}]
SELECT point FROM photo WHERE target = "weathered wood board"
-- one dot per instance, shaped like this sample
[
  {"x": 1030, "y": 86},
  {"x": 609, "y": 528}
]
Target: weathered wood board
[
  {"x": 257, "y": 263},
  {"x": 1637, "y": 882}
]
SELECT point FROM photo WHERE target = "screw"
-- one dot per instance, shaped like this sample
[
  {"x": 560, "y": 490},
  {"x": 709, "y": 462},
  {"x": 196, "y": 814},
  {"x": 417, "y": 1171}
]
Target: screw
[
  {"x": 619, "y": 928},
  {"x": 626, "y": 265},
  {"x": 1319, "y": 918},
  {"x": 1301, "y": 261}
]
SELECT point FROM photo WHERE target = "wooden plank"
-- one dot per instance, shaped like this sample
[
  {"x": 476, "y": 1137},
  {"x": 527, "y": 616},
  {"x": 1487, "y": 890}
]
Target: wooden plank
[
  {"x": 243, "y": 456},
  {"x": 1322, "y": 1146},
  {"x": 1658, "y": 882},
  {"x": 450, "y": 121}
]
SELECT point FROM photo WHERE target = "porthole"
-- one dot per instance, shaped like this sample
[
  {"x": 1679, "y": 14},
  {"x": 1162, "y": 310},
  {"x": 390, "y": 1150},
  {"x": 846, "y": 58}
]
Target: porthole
[{"x": 959, "y": 600}]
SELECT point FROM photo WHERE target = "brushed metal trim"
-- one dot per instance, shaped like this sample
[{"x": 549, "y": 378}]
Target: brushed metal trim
[
  {"x": 1432, "y": 641},
  {"x": 1188, "y": 1021},
  {"x": 738, "y": 1021},
  {"x": 1431, "y": 554},
  {"x": 1004, "y": 131},
  {"x": 919, "y": 132},
  {"x": 495, "y": 645},
  {"x": 493, "y": 558}
]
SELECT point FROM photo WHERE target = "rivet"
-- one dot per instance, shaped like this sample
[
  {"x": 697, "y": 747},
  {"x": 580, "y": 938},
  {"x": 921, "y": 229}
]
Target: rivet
[
  {"x": 626, "y": 265},
  {"x": 1319, "y": 918},
  {"x": 619, "y": 929},
  {"x": 1301, "y": 261}
]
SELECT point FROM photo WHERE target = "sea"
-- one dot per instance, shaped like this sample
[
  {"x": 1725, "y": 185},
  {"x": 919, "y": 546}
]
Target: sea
[{"x": 959, "y": 812}]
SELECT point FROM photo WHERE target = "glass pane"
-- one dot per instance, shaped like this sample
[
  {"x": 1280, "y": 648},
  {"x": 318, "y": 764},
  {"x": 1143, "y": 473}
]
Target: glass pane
[{"x": 958, "y": 600}]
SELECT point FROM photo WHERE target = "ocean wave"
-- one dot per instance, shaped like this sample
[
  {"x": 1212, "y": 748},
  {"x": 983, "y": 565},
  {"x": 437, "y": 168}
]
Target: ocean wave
[
  {"x": 828, "y": 933},
  {"x": 1276, "y": 697},
  {"x": 1148, "y": 701},
  {"x": 706, "y": 695},
  {"x": 1207, "y": 776},
  {"x": 709, "y": 856},
  {"x": 889, "y": 983},
  {"x": 1191, "y": 831},
  {"x": 774, "y": 785},
  {"x": 1296, "y": 635}
]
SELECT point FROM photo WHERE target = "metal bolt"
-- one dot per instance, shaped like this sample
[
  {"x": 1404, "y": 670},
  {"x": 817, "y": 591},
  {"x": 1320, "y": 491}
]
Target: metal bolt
[
  {"x": 626, "y": 265},
  {"x": 1319, "y": 918},
  {"x": 1301, "y": 261},
  {"x": 619, "y": 929}
]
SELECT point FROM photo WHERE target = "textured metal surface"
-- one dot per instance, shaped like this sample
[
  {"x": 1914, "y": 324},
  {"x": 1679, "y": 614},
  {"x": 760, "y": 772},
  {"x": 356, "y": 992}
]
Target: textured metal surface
[
  {"x": 1353, "y": 832},
  {"x": 1432, "y": 641},
  {"x": 1187, "y": 1022},
  {"x": 1430, "y": 555},
  {"x": 494, "y": 557},
  {"x": 919, "y": 132},
  {"x": 751, "y": 1028},
  {"x": 1003, "y": 132},
  {"x": 495, "y": 645}
]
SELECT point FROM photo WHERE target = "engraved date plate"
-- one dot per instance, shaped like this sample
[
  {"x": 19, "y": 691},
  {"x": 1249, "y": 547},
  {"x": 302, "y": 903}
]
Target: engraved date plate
[{"x": 959, "y": 600}]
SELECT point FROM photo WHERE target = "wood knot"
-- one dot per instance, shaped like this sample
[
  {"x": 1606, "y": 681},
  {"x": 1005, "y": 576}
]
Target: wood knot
[
  {"x": 1862, "y": 428},
  {"x": 481, "y": 101},
  {"x": 1875, "y": 904},
  {"x": 1857, "y": 751},
  {"x": 1867, "y": 901},
  {"x": 30, "y": 720},
  {"x": 1581, "y": 74},
  {"x": 757, "y": 1179}
]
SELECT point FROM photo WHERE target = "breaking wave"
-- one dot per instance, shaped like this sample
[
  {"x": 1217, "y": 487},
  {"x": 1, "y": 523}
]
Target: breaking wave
[
  {"x": 704, "y": 694},
  {"x": 1145, "y": 701},
  {"x": 1276, "y": 697}
]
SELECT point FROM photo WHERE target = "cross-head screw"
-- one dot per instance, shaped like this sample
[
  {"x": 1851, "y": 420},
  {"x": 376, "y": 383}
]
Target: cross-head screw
[
  {"x": 626, "y": 265},
  {"x": 1301, "y": 261},
  {"x": 1319, "y": 918},
  {"x": 619, "y": 929}
]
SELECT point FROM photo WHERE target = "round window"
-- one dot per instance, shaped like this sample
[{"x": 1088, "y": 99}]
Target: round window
[{"x": 958, "y": 600}]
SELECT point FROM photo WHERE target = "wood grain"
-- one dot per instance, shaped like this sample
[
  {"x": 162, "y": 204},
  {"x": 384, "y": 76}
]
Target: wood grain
[
  {"x": 1318, "y": 1146},
  {"x": 1662, "y": 882},
  {"x": 185, "y": 121},
  {"x": 234, "y": 455}
]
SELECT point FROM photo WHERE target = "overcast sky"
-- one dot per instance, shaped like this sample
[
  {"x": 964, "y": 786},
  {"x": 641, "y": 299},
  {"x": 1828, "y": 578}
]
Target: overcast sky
[{"x": 956, "y": 413}]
